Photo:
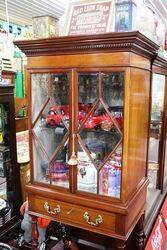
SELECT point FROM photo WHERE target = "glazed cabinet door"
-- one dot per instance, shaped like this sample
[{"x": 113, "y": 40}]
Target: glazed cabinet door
[
  {"x": 78, "y": 114},
  {"x": 50, "y": 128},
  {"x": 100, "y": 132},
  {"x": 156, "y": 140}
]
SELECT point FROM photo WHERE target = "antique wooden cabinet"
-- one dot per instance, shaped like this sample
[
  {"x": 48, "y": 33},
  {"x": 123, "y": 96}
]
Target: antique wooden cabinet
[
  {"x": 157, "y": 151},
  {"x": 9, "y": 170},
  {"x": 89, "y": 120}
]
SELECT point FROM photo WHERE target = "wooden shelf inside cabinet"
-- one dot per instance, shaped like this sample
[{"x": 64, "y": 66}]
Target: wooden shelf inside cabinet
[{"x": 92, "y": 180}]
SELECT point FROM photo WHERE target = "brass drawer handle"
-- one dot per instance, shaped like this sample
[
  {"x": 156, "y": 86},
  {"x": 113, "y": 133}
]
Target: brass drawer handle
[
  {"x": 98, "y": 220},
  {"x": 56, "y": 210}
]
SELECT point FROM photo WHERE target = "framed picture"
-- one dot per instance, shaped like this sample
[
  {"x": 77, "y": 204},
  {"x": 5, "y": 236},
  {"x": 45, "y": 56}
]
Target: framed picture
[{"x": 90, "y": 17}]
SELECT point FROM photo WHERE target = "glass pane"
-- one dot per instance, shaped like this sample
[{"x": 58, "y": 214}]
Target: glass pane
[
  {"x": 99, "y": 134},
  {"x": 112, "y": 89},
  {"x": 60, "y": 89},
  {"x": 158, "y": 85},
  {"x": 87, "y": 92},
  {"x": 40, "y": 162},
  {"x": 165, "y": 167},
  {"x": 39, "y": 92},
  {"x": 87, "y": 173},
  {"x": 101, "y": 131},
  {"x": 50, "y": 129},
  {"x": 110, "y": 175},
  {"x": 59, "y": 169}
]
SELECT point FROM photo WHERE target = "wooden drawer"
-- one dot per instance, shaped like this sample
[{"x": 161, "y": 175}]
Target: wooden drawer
[{"x": 83, "y": 217}]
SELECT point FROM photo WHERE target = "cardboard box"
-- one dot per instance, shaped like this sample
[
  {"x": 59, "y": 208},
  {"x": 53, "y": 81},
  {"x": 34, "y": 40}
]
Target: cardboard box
[
  {"x": 45, "y": 26},
  {"x": 125, "y": 15}
]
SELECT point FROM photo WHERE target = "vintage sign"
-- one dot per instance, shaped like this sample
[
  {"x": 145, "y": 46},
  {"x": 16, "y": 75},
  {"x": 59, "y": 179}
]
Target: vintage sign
[
  {"x": 22, "y": 140},
  {"x": 90, "y": 17}
]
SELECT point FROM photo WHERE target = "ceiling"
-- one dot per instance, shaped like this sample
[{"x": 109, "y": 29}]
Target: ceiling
[
  {"x": 22, "y": 11},
  {"x": 160, "y": 7},
  {"x": 165, "y": 3}
]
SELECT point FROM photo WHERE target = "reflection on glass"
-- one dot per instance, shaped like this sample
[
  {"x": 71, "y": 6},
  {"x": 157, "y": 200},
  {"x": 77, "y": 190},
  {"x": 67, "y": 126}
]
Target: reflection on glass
[
  {"x": 87, "y": 92},
  {"x": 110, "y": 175},
  {"x": 50, "y": 129},
  {"x": 101, "y": 131},
  {"x": 40, "y": 162},
  {"x": 59, "y": 169},
  {"x": 39, "y": 90},
  {"x": 60, "y": 89},
  {"x": 158, "y": 84},
  {"x": 100, "y": 140},
  {"x": 87, "y": 173},
  {"x": 112, "y": 89},
  {"x": 99, "y": 134}
]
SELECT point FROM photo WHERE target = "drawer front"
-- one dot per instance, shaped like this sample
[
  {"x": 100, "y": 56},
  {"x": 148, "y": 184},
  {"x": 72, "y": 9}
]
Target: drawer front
[{"x": 94, "y": 220}]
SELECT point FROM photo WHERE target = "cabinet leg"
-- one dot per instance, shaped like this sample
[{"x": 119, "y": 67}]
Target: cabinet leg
[
  {"x": 120, "y": 245},
  {"x": 35, "y": 233},
  {"x": 139, "y": 234}
]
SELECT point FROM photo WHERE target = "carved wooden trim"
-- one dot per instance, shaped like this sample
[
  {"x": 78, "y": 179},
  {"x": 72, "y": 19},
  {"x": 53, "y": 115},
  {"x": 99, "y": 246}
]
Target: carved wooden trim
[
  {"x": 161, "y": 62},
  {"x": 108, "y": 42}
]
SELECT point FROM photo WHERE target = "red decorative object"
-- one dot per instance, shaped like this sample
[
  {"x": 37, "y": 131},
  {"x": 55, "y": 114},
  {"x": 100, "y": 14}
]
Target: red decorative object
[
  {"x": 101, "y": 121},
  {"x": 95, "y": 121},
  {"x": 164, "y": 213},
  {"x": 57, "y": 115},
  {"x": 158, "y": 237}
]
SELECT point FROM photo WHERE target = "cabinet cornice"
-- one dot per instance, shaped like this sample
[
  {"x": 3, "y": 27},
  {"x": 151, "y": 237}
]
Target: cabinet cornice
[{"x": 109, "y": 42}]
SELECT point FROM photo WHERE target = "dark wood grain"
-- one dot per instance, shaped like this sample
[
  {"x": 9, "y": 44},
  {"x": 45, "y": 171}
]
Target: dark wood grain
[{"x": 7, "y": 97}]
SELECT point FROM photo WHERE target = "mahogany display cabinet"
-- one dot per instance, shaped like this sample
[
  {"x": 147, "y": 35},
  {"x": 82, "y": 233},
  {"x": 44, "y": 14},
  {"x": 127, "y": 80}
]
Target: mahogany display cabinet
[
  {"x": 157, "y": 150},
  {"x": 89, "y": 111},
  {"x": 10, "y": 198}
]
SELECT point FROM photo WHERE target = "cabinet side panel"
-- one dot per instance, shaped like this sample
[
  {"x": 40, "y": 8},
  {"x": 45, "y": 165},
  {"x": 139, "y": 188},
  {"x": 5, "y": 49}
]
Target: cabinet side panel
[
  {"x": 139, "y": 61},
  {"x": 135, "y": 155}
]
